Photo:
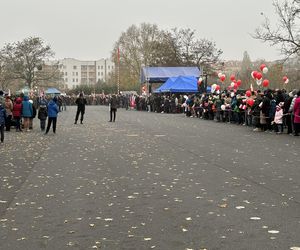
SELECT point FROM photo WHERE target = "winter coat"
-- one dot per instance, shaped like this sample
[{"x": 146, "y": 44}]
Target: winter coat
[
  {"x": 17, "y": 109},
  {"x": 278, "y": 116},
  {"x": 297, "y": 110},
  {"x": 81, "y": 102},
  {"x": 43, "y": 113},
  {"x": 27, "y": 110},
  {"x": 2, "y": 115},
  {"x": 113, "y": 102},
  {"x": 52, "y": 109}
]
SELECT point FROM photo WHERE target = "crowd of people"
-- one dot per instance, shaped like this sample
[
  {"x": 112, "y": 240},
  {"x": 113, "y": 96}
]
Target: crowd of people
[{"x": 269, "y": 110}]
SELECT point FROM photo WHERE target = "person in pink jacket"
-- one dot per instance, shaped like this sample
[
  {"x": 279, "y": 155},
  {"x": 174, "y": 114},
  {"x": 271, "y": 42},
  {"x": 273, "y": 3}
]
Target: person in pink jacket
[
  {"x": 297, "y": 115},
  {"x": 278, "y": 124}
]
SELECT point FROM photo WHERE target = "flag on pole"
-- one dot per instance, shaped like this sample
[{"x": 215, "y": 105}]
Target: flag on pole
[{"x": 118, "y": 55}]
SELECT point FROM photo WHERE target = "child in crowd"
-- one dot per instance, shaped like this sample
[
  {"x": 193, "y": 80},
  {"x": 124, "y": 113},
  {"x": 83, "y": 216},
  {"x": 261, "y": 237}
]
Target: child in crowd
[{"x": 278, "y": 124}]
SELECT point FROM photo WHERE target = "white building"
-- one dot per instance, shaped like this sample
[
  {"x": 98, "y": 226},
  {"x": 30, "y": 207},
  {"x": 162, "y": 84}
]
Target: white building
[{"x": 76, "y": 72}]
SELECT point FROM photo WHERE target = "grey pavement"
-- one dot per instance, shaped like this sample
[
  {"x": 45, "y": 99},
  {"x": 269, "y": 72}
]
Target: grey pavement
[{"x": 148, "y": 181}]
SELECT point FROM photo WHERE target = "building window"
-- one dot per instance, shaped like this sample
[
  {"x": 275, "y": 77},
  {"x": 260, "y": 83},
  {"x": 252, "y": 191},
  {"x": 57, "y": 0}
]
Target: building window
[
  {"x": 66, "y": 73},
  {"x": 76, "y": 79},
  {"x": 76, "y": 73},
  {"x": 112, "y": 67},
  {"x": 98, "y": 67},
  {"x": 83, "y": 67},
  {"x": 98, "y": 73},
  {"x": 74, "y": 67},
  {"x": 66, "y": 79},
  {"x": 102, "y": 67},
  {"x": 102, "y": 73},
  {"x": 108, "y": 67},
  {"x": 73, "y": 80}
]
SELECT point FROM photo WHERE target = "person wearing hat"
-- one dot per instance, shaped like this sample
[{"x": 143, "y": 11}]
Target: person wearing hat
[{"x": 52, "y": 115}]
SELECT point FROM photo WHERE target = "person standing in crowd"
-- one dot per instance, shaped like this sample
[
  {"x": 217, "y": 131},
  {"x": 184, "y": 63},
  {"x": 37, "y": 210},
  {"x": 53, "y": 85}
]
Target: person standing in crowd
[
  {"x": 17, "y": 112},
  {"x": 27, "y": 112},
  {"x": 2, "y": 101},
  {"x": 52, "y": 115},
  {"x": 2, "y": 121},
  {"x": 42, "y": 113},
  {"x": 287, "y": 114},
  {"x": 42, "y": 116},
  {"x": 8, "y": 108},
  {"x": 33, "y": 114},
  {"x": 277, "y": 121},
  {"x": 113, "y": 108},
  {"x": 297, "y": 114},
  {"x": 81, "y": 102}
]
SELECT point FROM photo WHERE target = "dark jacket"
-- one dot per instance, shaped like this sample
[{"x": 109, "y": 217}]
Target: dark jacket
[
  {"x": 2, "y": 115},
  {"x": 81, "y": 102},
  {"x": 113, "y": 102},
  {"x": 43, "y": 113}
]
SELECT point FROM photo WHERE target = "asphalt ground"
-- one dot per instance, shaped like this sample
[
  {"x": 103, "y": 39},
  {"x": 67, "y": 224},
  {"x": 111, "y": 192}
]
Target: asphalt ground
[{"x": 148, "y": 181}]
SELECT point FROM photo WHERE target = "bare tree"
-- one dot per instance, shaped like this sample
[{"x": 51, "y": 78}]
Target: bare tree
[
  {"x": 26, "y": 59},
  {"x": 286, "y": 34}
]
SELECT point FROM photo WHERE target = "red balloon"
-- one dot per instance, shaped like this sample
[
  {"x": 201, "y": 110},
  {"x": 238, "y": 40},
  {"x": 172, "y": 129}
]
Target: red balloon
[
  {"x": 262, "y": 67},
  {"x": 250, "y": 102},
  {"x": 248, "y": 93},
  {"x": 235, "y": 86},
  {"x": 254, "y": 74},
  {"x": 258, "y": 76},
  {"x": 222, "y": 78},
  {"x": 218, "y": 87},
  {"x": 232, "y": 77},
  {"x": 239, "y": 82},
  {"x": 284, "y": 78},
  {"x": 265, "y": 83}
]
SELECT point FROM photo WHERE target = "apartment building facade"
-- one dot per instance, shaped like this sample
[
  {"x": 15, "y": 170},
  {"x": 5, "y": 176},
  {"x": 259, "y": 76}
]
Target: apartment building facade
[{"x": 76, "y": 72}]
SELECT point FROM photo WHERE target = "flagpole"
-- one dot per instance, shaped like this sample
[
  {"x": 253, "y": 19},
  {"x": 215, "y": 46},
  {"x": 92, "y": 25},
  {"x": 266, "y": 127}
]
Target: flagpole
[{"x": 118, "y": 70}]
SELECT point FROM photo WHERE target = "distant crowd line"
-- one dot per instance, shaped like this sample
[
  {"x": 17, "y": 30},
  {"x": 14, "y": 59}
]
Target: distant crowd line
[{"x": 271, "y": 110}]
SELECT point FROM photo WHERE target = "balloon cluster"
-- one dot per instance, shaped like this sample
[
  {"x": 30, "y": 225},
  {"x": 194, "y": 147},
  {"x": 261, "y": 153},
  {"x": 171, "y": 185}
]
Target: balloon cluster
[
  {"x": 215, "y": 88},
  {"x": 258, "y": 76},
  {"x": 235, "y": 84}
]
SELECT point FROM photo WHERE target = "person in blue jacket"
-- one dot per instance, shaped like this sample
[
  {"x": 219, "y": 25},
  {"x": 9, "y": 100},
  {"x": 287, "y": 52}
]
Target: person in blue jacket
[
  {"x": 27, "y": 112},
  {"x": 52, "y": 114},
  {"x": 2, "y": 121}
]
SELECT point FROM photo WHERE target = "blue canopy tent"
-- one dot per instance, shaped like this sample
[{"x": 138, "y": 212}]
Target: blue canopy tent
[
  {"x": 182, "y": 84},
  {"x": 52, "y": 91},
  {"x": 166, "y": 85},
  {"x": 162, "y": 74}
]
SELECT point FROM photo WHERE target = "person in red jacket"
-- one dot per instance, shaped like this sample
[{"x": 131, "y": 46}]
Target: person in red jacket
[{"x": 17, "y": 111}]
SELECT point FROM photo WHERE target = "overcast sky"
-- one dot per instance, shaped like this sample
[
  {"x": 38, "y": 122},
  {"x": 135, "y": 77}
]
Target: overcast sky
[{"x": 87, "y": 29}]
